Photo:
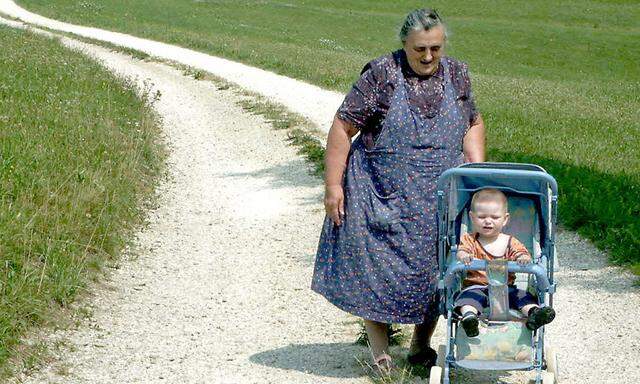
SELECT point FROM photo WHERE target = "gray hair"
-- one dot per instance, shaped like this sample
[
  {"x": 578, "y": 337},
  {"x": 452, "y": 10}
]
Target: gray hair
[{"x": 421, "y": 20}]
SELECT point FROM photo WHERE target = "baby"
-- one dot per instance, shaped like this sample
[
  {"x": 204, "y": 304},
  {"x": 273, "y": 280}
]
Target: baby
[{"x": 488, "y": 216}]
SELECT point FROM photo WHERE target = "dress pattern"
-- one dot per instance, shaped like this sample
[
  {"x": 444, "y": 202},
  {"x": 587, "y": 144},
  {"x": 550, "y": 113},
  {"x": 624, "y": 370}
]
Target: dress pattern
[{"x": 381, "y": 263}]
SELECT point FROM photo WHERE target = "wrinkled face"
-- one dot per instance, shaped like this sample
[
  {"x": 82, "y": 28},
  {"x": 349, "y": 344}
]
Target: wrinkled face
[
  {"x": 488, "y": 218},
  {"x": 424, "y": 50}
]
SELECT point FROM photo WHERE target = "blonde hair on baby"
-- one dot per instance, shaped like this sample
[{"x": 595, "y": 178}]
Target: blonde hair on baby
[{"x": 489, "y": 195}]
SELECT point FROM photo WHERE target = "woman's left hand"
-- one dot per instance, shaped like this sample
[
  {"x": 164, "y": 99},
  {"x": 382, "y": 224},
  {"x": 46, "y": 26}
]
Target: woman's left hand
[{"x": 473, "y": 142}]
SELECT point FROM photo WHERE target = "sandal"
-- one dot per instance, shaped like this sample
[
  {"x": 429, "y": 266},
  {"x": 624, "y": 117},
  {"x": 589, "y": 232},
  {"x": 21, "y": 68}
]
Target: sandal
[
  {"x": 383, "y": 365},
  {"x": 470, "y": 323},
  {"x": 539, "y": 317},
  {"x": 426, "y": 357}
]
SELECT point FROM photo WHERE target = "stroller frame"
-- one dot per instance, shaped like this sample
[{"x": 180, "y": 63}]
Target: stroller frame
[{"x": 455, "y": 187}]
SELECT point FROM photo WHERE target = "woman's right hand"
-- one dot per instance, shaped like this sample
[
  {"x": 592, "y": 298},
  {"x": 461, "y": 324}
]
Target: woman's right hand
[
  {"x": 334, "y": 203},
  {"x": 335, "y": 163}
]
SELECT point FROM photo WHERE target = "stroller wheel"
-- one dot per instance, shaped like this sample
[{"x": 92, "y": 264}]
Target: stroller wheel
[
  {"x": 442, "y": 354},
  {"x": 551, "y": 358},
  {"x": 435, "y": 375}
]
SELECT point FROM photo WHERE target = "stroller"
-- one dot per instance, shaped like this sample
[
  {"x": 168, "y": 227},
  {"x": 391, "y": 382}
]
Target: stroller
[{"x": 504, "y": 342}]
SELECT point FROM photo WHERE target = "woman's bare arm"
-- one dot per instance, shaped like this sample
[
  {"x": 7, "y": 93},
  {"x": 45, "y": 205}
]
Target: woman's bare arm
[
  {"x": 335, "y": 162},
  {"x": 474, "y": 141}
]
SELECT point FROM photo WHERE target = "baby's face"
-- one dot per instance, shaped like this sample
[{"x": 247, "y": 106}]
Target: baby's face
[{"x": 488, "y": 218}]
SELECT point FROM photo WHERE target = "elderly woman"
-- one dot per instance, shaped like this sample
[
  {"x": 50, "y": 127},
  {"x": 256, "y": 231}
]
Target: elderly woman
[{"x": 377, "y": 254}]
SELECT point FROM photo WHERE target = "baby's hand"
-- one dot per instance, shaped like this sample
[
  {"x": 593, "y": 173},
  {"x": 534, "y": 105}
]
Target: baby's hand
[
  {"x": 464, "y": 257},
  {"x": 523, "y": 259}
]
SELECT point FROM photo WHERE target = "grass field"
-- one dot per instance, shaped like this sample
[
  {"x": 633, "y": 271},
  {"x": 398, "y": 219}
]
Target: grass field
[
  {"x": 557, "y": 84},
  {"x": 79, "y": 154}
]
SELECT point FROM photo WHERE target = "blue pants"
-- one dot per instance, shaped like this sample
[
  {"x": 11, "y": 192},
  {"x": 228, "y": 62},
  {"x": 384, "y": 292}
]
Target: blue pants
[{"x": 479, "y": 298}]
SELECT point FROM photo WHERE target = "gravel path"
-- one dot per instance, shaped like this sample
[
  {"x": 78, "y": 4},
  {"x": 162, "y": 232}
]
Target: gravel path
[{"x": 215, "y": 289}]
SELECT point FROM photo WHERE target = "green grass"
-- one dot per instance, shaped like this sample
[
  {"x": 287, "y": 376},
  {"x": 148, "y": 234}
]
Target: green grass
[
  {"x": 557, "y": 84},
  {"x": 78, "y": 158}
]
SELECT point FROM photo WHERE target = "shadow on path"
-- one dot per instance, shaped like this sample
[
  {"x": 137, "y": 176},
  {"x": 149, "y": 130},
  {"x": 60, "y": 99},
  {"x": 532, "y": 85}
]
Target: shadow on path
[
  {"x": 329, "y": 360},
  {"x": 294, "y": 173}
]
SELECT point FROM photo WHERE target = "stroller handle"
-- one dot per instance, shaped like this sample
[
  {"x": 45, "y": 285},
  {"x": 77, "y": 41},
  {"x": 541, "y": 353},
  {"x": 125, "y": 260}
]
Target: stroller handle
[{"x": 512, "y": 266}]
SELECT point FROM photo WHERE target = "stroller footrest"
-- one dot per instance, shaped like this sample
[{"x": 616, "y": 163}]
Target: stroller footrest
[
  {"x": 509, "y": 343},
  {"x": 494, "y": 365}
]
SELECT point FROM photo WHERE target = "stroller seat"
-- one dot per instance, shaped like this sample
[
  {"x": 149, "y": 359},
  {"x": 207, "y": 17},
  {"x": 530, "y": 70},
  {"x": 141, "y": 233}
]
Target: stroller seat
[{"x": 504, "y": 342}]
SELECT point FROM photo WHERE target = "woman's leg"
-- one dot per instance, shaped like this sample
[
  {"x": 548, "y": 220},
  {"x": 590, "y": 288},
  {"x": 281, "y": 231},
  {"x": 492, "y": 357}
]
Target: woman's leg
[
  {"x": 421, "y": 338},
  {"x": 378, "y": 338}
]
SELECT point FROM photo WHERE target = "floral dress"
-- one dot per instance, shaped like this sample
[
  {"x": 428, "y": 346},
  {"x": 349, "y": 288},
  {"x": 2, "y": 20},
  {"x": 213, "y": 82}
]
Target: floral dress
[{"x": 381, "y": 263}]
